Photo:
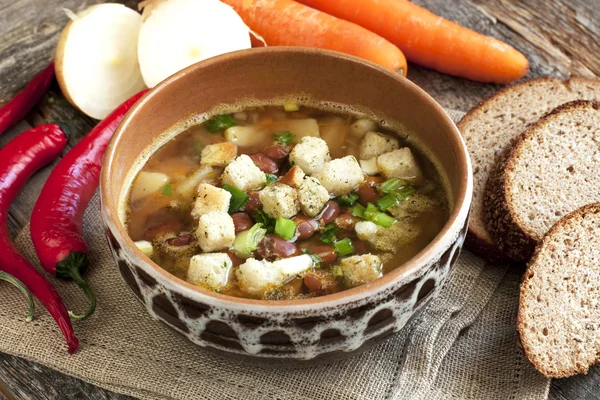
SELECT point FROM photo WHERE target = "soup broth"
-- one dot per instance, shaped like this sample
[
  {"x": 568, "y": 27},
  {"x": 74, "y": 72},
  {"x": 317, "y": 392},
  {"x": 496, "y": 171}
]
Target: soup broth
[{"x": 285, "y": 202}]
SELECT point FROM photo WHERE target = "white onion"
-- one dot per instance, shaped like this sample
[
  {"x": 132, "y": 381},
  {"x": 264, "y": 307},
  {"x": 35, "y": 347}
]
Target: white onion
[
  {"x": 178, "y": 33},
  {"x": 96, "y": 58}
]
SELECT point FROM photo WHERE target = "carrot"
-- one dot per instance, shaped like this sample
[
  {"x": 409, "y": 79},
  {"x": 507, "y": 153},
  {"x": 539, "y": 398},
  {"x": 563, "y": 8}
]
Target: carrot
[
  {"x": 430, "y": 40},
  {"x": 288, "y": 23}
]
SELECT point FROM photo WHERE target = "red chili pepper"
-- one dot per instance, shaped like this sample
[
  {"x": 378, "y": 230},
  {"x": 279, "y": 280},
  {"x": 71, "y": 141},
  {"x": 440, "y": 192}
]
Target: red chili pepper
[
  {"x": 19, "y": 159},
  {"x": 56, "y": 222},
  {"x": 19, "y": 106}
]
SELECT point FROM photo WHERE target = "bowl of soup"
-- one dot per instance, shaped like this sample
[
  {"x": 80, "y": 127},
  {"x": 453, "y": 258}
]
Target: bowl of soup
[{"x": 286, "y": 204}]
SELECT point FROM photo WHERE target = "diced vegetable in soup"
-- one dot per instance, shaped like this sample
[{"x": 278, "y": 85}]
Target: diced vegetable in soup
[{"x": 284, "y": 203}]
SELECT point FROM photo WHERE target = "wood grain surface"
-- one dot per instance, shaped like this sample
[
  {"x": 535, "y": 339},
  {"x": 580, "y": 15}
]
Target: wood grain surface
[{"x": 560, "y": 38}]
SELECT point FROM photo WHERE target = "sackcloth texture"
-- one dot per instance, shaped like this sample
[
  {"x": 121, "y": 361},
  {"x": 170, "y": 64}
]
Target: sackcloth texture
[{"x": 463, "y": 345}]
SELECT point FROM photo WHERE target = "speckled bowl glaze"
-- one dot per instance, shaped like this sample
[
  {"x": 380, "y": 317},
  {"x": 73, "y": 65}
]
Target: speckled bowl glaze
[{"x": 323, "y": 328}]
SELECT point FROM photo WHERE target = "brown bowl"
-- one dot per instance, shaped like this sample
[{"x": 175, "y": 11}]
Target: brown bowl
[{"x": 323, "y": 327}]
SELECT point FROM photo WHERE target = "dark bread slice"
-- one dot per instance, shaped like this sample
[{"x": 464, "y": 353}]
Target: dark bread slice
[
  {"x": 559, "y": 308},
  {"x": 489, "y": 128},
  {"x": 551, "y": 170}
]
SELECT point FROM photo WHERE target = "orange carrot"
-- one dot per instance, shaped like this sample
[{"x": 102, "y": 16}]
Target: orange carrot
[
  {"x": 430, "y": 40},
  {"x": 288, "y": 23}
]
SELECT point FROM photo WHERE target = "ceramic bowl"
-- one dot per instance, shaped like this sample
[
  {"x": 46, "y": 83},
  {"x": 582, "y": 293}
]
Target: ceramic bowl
[{"x": 326, "y": 327}]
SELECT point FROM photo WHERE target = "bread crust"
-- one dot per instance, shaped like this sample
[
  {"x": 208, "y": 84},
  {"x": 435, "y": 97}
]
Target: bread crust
[
  {"x": 479, "y": 240},
  {"x": 532, "y": 267},
  {"x": 503, "y": 223}
]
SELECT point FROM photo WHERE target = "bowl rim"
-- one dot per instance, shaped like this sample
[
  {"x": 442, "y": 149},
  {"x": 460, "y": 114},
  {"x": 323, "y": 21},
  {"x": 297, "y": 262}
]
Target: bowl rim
[{"x": 457, "y": 219}]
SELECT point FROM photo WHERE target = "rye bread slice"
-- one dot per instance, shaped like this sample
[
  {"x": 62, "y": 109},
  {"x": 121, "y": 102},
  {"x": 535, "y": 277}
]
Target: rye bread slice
[
  {"x": 489, "y": 128},
  {"x": 552, "y": 169},
  {"x": 559, "y": 308}
]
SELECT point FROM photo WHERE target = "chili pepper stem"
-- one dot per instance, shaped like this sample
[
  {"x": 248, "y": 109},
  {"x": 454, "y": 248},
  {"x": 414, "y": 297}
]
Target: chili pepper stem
[
  {"x": 19, "y": 285},
  {"x": 71, "y": 268}
]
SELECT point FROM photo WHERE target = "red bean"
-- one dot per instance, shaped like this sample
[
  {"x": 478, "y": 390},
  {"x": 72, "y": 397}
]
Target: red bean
[
  {"x": 320, "y": 281},
  {"x": 345, "y": 221},
  {"x": 326, "y": 253},
  {"x": 182, "y": 240},
  {"x": 374, "y": 180},
  {"x": 313, "y": 283},
  {"x": 253, "y": 202},
  {"x": 235, "y": 260},
  {"x": 161, "y": 229},
  {"x": 305, "y": 226},
  {"x": 272, "y": 247},
  {"x": 265, "y": 164},
  {"x": 241, "y": 222},
  {"x": 330, "y": 212},
  {"x": 277, "y": 153},
  {"x": 360, "y": 247},
  {"x": 366, "y": 194}
]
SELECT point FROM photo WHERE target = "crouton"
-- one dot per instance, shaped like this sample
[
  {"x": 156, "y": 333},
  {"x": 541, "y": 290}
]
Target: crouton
[
  {"x": 341, "y": 176},
  {"x": 396, "y": 236},
  {"x": 369, "y": 166},
  {"x": 215, "y": 231},
  {"x": 210, "y": 270},
  {"x": 401, "y": 164},
  {"x": 218, "y": 154},
  {"x": 375, "y": 144},
  {"x": 293, "y": 177},
  {"x": 413, "y": 206},
  {"x": 366, "y": 230},
  {"x": 259, "y": 277},
  {"x": 244, "y": 175},
  {"x": 310, "y": 154},
  {"x": 279, "y": 200},
  {"x": 210, "y": 198},
  {"x": 312, "y": 196},
  {"x": 361, "y": 269}
]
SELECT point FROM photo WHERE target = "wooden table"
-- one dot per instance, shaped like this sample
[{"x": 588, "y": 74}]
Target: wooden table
[{"x": 560, "y": 38}]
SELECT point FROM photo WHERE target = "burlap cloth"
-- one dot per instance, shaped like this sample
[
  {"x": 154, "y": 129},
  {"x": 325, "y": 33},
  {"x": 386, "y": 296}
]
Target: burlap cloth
[{"x": 462, "y": 346}]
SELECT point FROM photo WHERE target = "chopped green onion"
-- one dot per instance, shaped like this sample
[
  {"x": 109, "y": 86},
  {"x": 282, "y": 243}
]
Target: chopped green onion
[
  {"x": 238, "y": 198},
  {"x": 271, "y": 178},
  {"x": 247, "y": 241},
  {"x": 404, "y": 193},
  {"x": 167, "y": 190},
  {"x": 220, "y": 123},
  {"x": 329, "y": 233},
  {"x": 347, "y": 199},
  {"x": 286, "y": 228},
  {"x": 391, "y": 184},
  {"x": 344, "y": 247},
  {"x": 316, "y": 259},
  {"x": 382, "y": 219},
  {"x": 386, "y": 202},
  {"x": 291, "y": 107},
  {"x": 261, "y": 217},
  {"x": 358, "y": 211},
  {"x": 337, "y": 271},
  {"x": 370, "y": 211},
  {"x": 284, "y": 137}
]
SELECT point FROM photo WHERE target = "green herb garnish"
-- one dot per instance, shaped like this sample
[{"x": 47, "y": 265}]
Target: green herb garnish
[
  {"x": 238, "y": 198},
  {"x": 220, "y": 123},
  {"x": 271, "y": 178},
  {"x": 337, "y": 271},
  {"x": 382, "y": 219},
  {"x": 285, "y": 137},
  {"x": 247, "y": 241},
  {"x": 167, "y": 190},
  {"x": 261, "y": 217},
  {"x": 391, "y": 184},
  {"x": 316, "y": 259},
  {"x": 358, "y": 211},
  {"x": 329, "y": 233},
  {"x": 347, "y": 199}
]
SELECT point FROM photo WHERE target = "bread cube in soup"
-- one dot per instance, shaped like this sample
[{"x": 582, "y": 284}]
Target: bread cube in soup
[
  {"x": 341, "y": 176},
  {"x": 312, "y": 196},
  {"x": 375, "y": 144},
  {"x": 210, "y": 198},
  {"x": 218, "y": 154},
  {"x": 211, "y": 270},
  {"x": 279, "y": 200},
  {"x": 310, "y": 154},
  {"x": 244, "y": 175},
  {"x": 215, "y": 231},
  {"x": 401, "y": 164},
  {"x": 293, "y": 177},
  {"x": 258, "y": 277},
  {"x": 361, "y": 269}
]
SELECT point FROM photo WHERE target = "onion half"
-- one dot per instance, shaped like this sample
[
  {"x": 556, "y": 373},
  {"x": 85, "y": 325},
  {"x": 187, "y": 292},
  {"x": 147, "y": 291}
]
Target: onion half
[
  {"x": 96, "y": 58},
  {"x": 178, "y": 33}
]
